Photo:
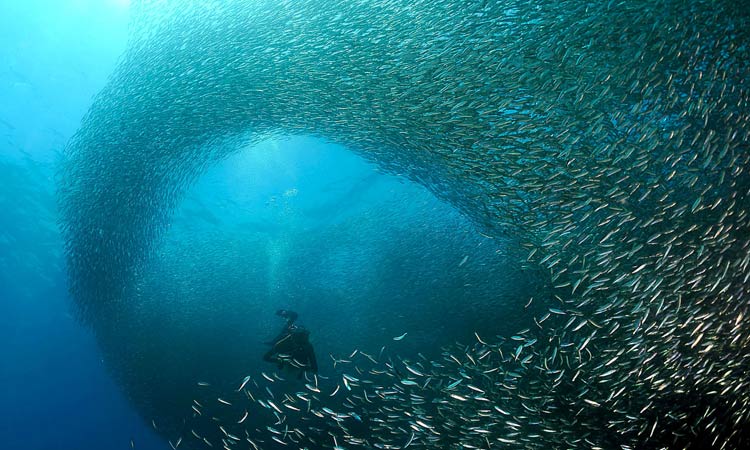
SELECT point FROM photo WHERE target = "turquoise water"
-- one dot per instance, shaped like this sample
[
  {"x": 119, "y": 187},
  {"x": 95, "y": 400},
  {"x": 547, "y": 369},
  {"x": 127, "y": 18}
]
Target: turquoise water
[
  {"x": 58, "y": 394},
  {"x": 504, "y": 224}
]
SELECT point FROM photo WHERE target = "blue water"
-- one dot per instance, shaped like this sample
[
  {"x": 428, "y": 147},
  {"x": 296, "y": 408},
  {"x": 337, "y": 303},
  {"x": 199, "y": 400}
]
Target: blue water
[
  {"x": 127, "y": 178},
  {"x": 54, "y": 388}
]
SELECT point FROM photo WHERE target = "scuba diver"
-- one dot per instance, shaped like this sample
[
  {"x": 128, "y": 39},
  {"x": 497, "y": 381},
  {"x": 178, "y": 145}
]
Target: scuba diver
[{"x": 292, "y": 346}]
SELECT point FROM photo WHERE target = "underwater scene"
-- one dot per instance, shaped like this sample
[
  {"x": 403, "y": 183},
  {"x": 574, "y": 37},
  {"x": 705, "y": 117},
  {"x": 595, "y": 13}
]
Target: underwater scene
[{"x": 375, "y": 224}]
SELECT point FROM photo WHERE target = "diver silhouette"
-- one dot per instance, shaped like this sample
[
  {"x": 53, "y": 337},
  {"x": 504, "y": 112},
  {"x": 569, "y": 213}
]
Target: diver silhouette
[{"x": 292, "y": 346}]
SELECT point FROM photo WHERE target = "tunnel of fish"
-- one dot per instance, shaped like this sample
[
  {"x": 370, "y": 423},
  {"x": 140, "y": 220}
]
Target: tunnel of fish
[{"x": 605, "y": 144}]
